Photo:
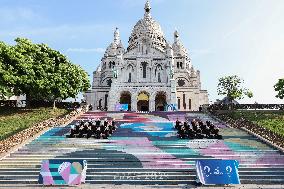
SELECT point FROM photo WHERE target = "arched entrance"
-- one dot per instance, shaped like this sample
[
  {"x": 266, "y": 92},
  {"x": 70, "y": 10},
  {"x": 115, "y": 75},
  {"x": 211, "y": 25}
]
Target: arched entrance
[
  {"x": 125, "y": 98},
  {"x": 160, "y": 101},
  {"x": 143, "y": 101}
]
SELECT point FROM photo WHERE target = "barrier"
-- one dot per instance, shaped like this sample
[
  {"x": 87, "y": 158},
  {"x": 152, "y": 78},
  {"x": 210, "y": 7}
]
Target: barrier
[
  {"x": 218, "y": 171},
  {"x": 121, "y": 107},
  {"x": 216, "y": 107},
  {"x": 171, "y": 107},
  {"x": 62, "y": 172}
]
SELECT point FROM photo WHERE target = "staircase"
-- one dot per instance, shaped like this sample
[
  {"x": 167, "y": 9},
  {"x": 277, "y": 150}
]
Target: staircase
[{"x": 144, "y": 150}]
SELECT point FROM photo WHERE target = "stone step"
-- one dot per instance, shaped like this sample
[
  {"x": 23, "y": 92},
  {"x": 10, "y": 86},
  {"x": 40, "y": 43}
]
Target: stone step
[
  {"x": 146, "y": 182},
  {"x": 126, "y": 166},
  {"x": 91, "y": 172},
  {"x": 241, "y": 169},
  {"x": 61, "y": 150},
  {"x": 142, "y": 176},
  {"x": 129, "y": 182},
  {"x": 153, "y": 155},
  {"x": 114, "y": 157}
]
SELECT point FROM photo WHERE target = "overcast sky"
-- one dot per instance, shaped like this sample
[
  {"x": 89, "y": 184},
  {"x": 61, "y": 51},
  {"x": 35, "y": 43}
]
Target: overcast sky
[{"x": 223, "y": 37}]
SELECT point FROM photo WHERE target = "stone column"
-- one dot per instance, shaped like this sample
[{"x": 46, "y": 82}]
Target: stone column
[
  {"x": 152, "y": 101},
  {"x": 173, "y": 92},
  {"x": 134, "y": 102},
  {"x": 152, "y": 104},
  {"x": 113, "y": 95}
]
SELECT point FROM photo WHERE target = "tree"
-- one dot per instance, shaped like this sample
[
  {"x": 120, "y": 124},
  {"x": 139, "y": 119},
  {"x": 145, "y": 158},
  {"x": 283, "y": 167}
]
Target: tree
[
  {"x": 5, "y": 72},
  {"x": 231, "y": 87},
  {"x": 279, "y": 87},
  {"x": 42, "y": 73}
]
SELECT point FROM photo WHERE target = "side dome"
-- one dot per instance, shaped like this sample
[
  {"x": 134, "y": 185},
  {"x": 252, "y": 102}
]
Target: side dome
[
  {"x": 116, "y": 47},
  {"x": 147, "y": 30},
  {"x": 111, "y": 50},
  {"x": 178, "y": 48}
]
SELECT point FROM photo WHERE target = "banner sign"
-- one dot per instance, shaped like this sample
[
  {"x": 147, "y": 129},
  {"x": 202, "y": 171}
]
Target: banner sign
[
  {"x": 62, "y": 172},
  {"x": 201, "y": 143},
  {"x": 171, "y": 107},
  {"x": 121, "y": 107},
  {"x": 218, "y": 171}
]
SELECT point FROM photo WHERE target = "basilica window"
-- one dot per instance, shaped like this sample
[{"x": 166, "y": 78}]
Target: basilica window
[
  {"x": 100, "y": 103},
  {"x": 159, "y": 77},
  {"x": 109, "y": 82},
  {"x": 184, "y": 104},
  {"x": 144, "y": 69},
  {"x": 129, "y": 78},
  {"x": 178, "y": 65},
  {"x": 189, "y": 104},
  {"x": 181, "y": 82},
  {"x": 106, "y": 97}
]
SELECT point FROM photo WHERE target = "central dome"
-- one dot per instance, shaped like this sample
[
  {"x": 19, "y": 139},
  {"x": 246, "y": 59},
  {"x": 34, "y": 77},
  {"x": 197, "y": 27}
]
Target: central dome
[{"x": 147, "y": 30}]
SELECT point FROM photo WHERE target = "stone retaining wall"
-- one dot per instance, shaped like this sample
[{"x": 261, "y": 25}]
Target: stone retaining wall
[
  {"x": 12, "y": 141},
  {"x": 267, "y": 134}
]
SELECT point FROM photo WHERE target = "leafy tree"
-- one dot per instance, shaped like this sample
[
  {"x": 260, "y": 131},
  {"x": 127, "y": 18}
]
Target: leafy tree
[
  {"x": 231, "y": 87},
  {"x": 279, "y": 87},
  {"x": 64, "y": 79},
  {"x": 43, "y": 73},
  {"x": 5, "y": 72}
]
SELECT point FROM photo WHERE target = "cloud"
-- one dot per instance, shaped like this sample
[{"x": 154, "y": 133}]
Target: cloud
[
  {"x": 86, "y": 50},
  {"x": 16, "y": 14},
  {"x": 200, "y": 52},
  {"x": 65, "y": 31}
]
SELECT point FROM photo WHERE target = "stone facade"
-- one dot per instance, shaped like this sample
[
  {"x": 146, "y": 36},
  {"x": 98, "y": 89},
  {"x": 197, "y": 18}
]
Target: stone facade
[{"x": 149, "y": 74}]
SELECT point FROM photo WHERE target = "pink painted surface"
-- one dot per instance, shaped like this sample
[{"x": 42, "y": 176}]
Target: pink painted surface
[{"x": 151, "y": 160}]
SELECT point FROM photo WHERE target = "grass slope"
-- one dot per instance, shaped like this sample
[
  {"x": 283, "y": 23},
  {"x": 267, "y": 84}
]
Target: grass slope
[
  {"x": 271, "y": 120},
  {"x": 16, "y": 120}
]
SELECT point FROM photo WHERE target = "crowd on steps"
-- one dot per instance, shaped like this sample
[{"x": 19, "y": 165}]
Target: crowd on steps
[
  {"x": 96, "y": 128},
  {"x": 197, "y": 130}
]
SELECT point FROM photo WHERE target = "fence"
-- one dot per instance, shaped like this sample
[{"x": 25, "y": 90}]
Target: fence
[{"x": 215, "y": 107}]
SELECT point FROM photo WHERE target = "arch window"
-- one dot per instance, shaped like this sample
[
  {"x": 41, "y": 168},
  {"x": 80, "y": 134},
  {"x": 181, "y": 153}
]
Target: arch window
[
  {"x": 144, "y": 69},
  {"x": 109, "y": 82},
  {"x": 129, "y": 78},
  {"x": 159, "y": 77},
  {"x": 181, "y": 82}
]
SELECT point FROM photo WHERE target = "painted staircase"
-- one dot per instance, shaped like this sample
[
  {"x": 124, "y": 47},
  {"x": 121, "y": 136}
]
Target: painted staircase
[{"x": 145, "y": 150}]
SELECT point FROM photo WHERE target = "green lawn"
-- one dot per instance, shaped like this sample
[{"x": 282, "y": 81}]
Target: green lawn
[
  {"x": 15, "y": 120},
  {"x": 269, "y": 119}
]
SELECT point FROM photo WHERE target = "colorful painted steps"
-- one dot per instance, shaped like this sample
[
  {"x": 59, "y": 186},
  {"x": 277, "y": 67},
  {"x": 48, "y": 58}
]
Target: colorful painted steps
[{"x": 146, "y": 152}]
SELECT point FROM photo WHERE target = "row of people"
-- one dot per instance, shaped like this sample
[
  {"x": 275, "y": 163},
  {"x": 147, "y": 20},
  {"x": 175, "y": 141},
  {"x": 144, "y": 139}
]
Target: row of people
[
  {"x": 98, "y": 129},
  {"x": 197, "y": 130}
]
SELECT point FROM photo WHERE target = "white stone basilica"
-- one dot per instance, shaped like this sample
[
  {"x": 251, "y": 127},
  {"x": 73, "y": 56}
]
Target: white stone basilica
[{"x": 149, "y": 75}]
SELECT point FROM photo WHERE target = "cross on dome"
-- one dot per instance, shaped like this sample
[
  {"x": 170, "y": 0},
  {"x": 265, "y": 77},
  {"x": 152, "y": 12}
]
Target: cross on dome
[
  {"x": 176, "y": 35},
  {"x": 116, "y": 36},
  {"x": 147, "y": 9}
]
